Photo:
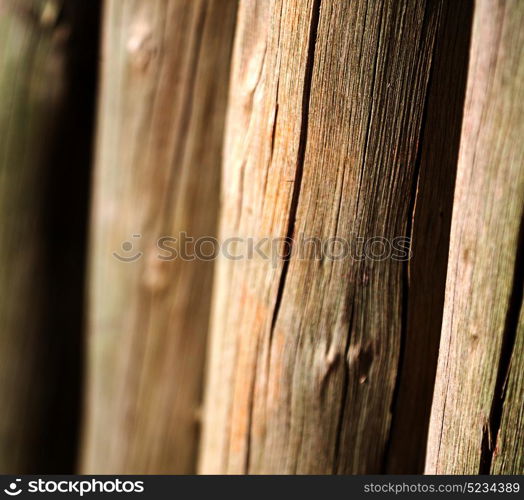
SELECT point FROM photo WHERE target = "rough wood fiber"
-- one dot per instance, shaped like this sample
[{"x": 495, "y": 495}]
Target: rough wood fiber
[
  {"x": 46, "y": 87},
  {"x": 164, "y": 87},
  {"x": 325, "y": 115},
  {"x": 476, "y": 421},
  {"x": 426, "y": 277},
  {"x": 509, "y": 457}
]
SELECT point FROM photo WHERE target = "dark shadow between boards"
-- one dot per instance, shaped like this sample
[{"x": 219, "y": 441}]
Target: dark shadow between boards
[{"x": 65, "y": 227}]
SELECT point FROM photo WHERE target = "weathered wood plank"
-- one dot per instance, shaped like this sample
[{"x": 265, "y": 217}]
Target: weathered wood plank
[
  {"x": 163, "y": 96},
  {"x": 322, "y": 141},
  {"x": 508, "y": 457},
  {"x": 484, "y": 281}
]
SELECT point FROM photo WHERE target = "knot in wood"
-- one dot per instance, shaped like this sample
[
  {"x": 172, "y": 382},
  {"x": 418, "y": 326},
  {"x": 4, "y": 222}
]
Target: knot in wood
[{"x": 141, "y": 46}]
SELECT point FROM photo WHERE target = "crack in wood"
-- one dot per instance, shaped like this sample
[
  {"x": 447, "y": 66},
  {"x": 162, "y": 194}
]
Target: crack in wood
[{"x": 308, "y": 75}]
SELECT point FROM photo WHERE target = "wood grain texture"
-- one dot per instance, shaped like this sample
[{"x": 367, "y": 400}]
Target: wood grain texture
[
  {"x": 476, "y": 421},
  {"x": 327, "y": 99},
  {"x": 426, "y": 278},
  {"x": 163, "y": 97},
  {"x": 508, "y": 457},
  {"x": 46, "y": 86}
]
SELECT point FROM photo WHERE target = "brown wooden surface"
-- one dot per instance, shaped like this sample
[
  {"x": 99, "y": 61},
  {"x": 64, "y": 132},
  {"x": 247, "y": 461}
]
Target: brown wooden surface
[
  {"x": 426, "y": 277},
  {"x": 508, "y": 457},
  {"x": 46, "y": 98},
  {"x": 165, "y": 68},
  {"x": 327, "y": 100},
  {"x": 476, "y": 422}
]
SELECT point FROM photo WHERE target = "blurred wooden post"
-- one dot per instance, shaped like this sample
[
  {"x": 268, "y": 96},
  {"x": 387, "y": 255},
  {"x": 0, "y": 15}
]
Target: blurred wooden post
[
  {"x": 165, "y": 72},
  {"x": 477, "y": 421},
  {"x": 47, "y": 77},
  {"x": 323, "y": 129}
]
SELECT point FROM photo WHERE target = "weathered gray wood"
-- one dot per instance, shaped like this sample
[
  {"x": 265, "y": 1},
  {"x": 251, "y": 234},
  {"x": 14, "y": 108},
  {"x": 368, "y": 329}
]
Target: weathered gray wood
[
  {"x": 325, "y": 115},
  {"x": 46, "y": 95},
  {"x": 162, "y": 108},
  {"x": 476, "y": 421}
]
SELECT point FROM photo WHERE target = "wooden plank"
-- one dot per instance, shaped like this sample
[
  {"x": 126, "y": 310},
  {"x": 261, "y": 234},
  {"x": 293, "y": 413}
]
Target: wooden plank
[
  {"x": 508, "y": 457},
  {"x": 322, "y": 141},
  {"x": 47, "y": 93},
  {"x": 472, "y": 424},
  {"x": 163, "y": 97}
]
